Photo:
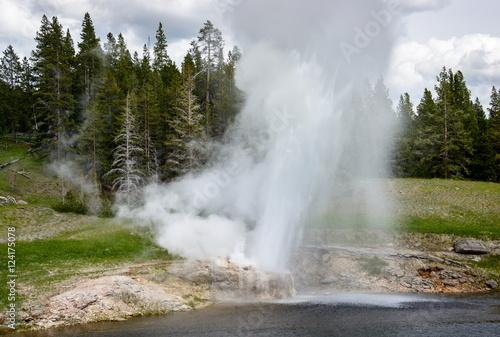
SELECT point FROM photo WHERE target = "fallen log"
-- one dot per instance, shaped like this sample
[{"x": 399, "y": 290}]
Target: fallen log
[
  {"x": 20, "y": 173},
  {"x": 2, "y": 166}
]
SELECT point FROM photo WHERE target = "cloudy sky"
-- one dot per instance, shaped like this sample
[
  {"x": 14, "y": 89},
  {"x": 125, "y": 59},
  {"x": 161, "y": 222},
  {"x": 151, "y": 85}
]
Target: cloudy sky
[{"x": 460, "y": 34}]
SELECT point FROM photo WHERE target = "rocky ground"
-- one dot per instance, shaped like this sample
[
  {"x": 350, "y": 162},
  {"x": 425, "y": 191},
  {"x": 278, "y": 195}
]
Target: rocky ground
[
  {"x": 406, "y": 264},
  {"x": 135, "y": 291},
  {"x": 154, "y": 289},
  {"x": 409, "y": 263}
]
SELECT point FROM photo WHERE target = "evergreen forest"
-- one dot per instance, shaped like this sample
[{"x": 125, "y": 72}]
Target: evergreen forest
[{"x": 129, "y": 120}]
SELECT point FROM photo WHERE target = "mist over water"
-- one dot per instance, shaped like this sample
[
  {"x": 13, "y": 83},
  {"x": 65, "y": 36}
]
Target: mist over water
[{"x": 293, "y": 143}]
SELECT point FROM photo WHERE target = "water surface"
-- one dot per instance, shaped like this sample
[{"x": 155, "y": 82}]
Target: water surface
[{"x": 339, "y": 314}]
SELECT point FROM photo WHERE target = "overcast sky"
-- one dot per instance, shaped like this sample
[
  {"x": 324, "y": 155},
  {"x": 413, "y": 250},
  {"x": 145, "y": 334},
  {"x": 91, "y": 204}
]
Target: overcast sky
[{"x": 460, "y": 34}]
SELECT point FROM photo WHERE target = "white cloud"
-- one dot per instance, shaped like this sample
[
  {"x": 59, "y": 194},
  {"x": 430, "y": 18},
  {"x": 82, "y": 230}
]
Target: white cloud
[
  {"x": 409, "y": 6},
  {"x": 414, "y": 66},
  {"x": 136, "y": 19}
]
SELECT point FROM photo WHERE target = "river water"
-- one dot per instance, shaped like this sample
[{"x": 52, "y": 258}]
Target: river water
[{"x": 338, "y": 314}]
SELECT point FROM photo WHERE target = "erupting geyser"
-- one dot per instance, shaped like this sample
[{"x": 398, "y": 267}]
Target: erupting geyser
[{"x": 293, "y": 142}]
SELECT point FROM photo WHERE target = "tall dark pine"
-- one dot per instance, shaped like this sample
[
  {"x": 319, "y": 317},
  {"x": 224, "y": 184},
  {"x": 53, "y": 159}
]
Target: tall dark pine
[
  {"x": 454, "y": 125},
  {"x": 89, "y": 61},
  {"x": 4, "y": 106},
  {"x": 28, "y": 88},
  {"x": 53, "y": 60},
  {"x": 494, "y": 131},
  {"x": 10, "y": 67},
  {"x": 10, "y": 74},
  {"x": 124, "y": 66},
  {"x": 425, "y": 148},
  {"x": 482, "y": 165},
  {"x": 404, "y": 161},
  {"x": 161, "y": 58},
  {"x": 210, "y": 45},
  {"x": 187, "y": 141},
  {"x": 228, "y": 98},
  {"x": 102, "y": 126},
  {"x": 110, "y": 51}
]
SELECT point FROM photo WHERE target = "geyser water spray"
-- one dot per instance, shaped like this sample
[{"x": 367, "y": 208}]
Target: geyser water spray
[{"x": 302, "y": 64}]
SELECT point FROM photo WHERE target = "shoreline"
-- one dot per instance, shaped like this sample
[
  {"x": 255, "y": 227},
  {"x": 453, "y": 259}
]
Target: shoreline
[{"x": 170, "y": 286}]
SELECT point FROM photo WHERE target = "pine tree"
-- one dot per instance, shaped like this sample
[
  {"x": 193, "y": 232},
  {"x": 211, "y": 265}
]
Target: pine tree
[
  {"x": 405, "y": 163},
  {"x": 27, "y": 83},
  {"x": 210, "y": 45},
  {"x": 188, "y": 140},
  {"x": 455, "y": 142},
  {"x": 10, "y": 69},
  {"x": 150, "y": 119},
  {"x": 494, "y": 109},
  {"x": 91, "y": 143},
  {"x": 4, "y": 107},
  {"x": 494, "y": 131},
  {"x": 89, "y": 61},
  {"x": 167, "y": 86},
  {"x": 161, "y": 58},
  {"x": 143, "y": 67},
  {"x": 10, "y": 74},
  {"x": 229, "y": 98},
  {"x": 53, "y": 61},
  {"x": 127, "y": 157},
  {"x": 482, "y": 166},
  {"x": 426, "y": 141},
  {"x": 103, "y": 126},
  {"x": 110, "y": 51},
  {"x": 124, "y": 65}
]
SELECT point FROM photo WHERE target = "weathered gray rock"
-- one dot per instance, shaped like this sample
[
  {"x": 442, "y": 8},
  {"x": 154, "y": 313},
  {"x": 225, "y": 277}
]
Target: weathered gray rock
[
  {"x": 236, "y": 281},
  {"x": 435, "y": 259},
  {"x": 7, "y": 201},
  {"x": 450, "y": 283},
  {"x": 470, "y": 246},
  {"x": 492, "y": 284},
  {"x": 108, "y": 298},
  {"x": 452, "y": 262},
  {"x": 329, "y": 280}
]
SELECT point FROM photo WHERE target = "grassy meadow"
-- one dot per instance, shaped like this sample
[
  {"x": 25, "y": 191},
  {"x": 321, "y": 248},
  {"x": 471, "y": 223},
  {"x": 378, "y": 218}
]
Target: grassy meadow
[{"x": 427, "y": 206}]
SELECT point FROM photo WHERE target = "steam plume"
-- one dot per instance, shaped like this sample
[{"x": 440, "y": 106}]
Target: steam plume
[{"x": 302, "y": 63}]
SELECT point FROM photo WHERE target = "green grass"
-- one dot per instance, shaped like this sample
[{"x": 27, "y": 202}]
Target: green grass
[
  {"x": 120, "y": 245},
  {"x": 42, "y": 263},
  {"x": 461, "y": 208},
  {"x": 487, "y": 228},
  {"x": 488, "y": 262}
]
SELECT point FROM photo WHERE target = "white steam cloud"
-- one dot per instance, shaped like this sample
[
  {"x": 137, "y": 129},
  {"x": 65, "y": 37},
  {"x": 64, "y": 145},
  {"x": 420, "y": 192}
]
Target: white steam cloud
[{"x": 302, "y": 64}]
